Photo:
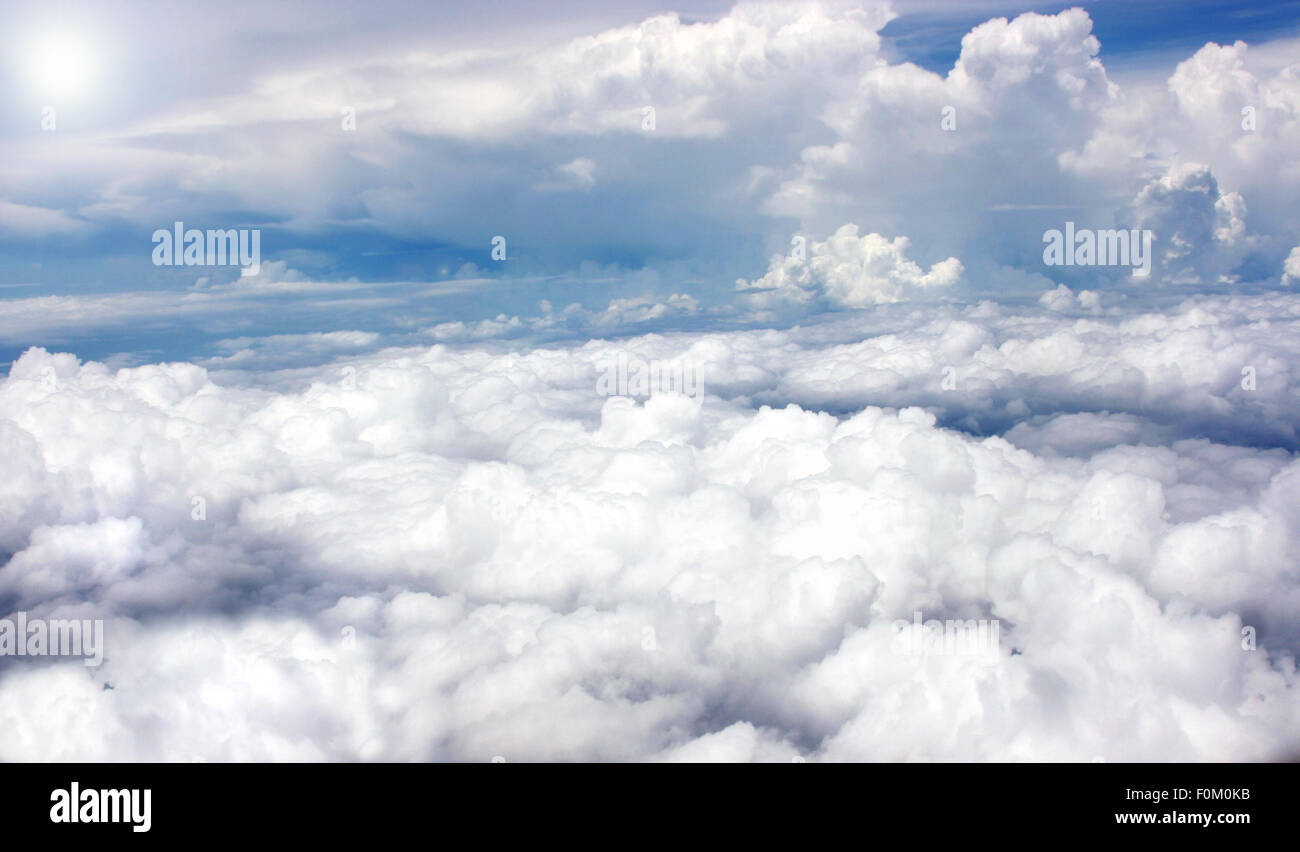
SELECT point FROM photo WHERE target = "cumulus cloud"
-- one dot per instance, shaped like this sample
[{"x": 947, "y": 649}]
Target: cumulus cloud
[
  {"x": 848, "y": 270},
  {"x": 1291, "y": 269},
  {"x": 979, "y": 133},
  {"x": 1029, "y": 122},
  {"x": 459, "y": 553},
  {"x": 1064, "y": 299},
  {"x": 1199, "y": 231},
  {"x": 700, "y": 77}
]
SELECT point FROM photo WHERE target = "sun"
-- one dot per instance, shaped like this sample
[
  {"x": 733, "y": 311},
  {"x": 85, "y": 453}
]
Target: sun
[{"x": 61, "y": 65}]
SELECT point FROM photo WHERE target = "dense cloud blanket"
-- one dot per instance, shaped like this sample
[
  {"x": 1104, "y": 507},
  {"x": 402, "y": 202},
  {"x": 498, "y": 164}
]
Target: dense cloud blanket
[{"x": 465, "y": 552}]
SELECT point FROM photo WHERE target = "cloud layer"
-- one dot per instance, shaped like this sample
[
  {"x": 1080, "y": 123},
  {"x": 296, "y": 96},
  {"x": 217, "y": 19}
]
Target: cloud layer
[{"x": 461, "y": 553}]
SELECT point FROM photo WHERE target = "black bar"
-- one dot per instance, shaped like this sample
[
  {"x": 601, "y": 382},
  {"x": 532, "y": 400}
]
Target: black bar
[{"x": 494, "y": 802}]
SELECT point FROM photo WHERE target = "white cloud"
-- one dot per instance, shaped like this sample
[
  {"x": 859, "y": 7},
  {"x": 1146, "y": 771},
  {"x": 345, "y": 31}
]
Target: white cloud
[
  {"x": 849, "y": 270},
  {"x": 1065, "y": 299},
  {"x": 699, "y": 77},
  {"x": 1199, "y": 232},
  {"x": 28, "y": 221},
  {"x": 1291, "y": 269},
  {"x": 456, "y": 553},
  {"x": 581, "y": 171},
  {"x": 770, "y": 118}
]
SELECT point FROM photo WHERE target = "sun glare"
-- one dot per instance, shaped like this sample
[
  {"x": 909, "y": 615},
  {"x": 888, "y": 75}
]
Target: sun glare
[{"x": 60, "y": 66}]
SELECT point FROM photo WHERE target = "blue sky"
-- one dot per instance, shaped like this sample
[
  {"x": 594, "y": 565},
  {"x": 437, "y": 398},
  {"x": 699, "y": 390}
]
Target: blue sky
[{"x": 1132, "y": 33}]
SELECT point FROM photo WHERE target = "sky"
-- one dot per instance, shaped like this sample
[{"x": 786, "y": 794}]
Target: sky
[
  {"x": 514, "y": 121},
  {"x": 391, "y": 492}
]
